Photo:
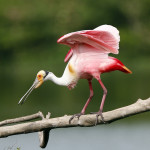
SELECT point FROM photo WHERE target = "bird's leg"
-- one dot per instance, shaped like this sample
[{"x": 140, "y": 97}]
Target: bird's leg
[
  {"x": 99, "y": 113},
  {"x": 86, "y": 104},
  {"x": 90, "y": 97}
]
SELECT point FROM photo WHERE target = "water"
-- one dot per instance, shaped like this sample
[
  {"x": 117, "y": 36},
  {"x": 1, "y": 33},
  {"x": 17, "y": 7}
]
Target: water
[{"x": 106, "y": 137}]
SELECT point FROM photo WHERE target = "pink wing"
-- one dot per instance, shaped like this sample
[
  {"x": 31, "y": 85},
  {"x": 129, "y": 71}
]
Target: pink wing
[
  {"x": 68, "y": 56},
  {"x": 105, "y": 38}
]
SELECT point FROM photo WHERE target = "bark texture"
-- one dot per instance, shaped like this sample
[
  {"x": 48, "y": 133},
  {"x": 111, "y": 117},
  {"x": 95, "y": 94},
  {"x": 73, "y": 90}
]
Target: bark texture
[{"x": 46, "y": 124}]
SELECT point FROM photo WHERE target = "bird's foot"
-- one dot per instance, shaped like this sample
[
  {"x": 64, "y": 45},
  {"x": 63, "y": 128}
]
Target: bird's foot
[
  {"x": 75, "y": 115},
  {"x": 99, "y": 113}
]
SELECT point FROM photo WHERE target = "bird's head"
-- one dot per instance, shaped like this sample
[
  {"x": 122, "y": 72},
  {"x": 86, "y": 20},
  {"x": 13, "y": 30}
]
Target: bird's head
[{"x": 40, "y": 78}]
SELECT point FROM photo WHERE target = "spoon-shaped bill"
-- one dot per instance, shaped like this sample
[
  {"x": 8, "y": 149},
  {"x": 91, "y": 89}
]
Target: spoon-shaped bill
[{"x": 34, "y": 85}]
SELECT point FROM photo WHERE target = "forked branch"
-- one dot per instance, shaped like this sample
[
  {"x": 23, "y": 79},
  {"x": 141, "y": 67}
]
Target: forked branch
[{"x": 47, "y": 124}]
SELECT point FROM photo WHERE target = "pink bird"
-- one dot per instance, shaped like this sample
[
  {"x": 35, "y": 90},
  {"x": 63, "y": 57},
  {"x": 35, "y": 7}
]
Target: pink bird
[{"x": 88, "y": 58}]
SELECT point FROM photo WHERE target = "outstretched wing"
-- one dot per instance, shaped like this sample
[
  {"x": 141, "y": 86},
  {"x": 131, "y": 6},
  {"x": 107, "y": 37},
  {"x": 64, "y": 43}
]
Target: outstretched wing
[{"x": 105, "y": 38}]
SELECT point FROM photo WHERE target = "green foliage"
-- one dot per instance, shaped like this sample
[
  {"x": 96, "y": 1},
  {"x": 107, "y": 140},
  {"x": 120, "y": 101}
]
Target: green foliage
[{"x": 28, "y": 34}]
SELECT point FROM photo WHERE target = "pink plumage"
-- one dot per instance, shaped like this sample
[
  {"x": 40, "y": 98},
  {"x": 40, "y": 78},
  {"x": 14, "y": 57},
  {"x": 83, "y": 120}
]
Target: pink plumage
[
  {"x": 89, "y": 56},
  {"x": 105, "y": 38},
  {"x": 87, "y": 59}
]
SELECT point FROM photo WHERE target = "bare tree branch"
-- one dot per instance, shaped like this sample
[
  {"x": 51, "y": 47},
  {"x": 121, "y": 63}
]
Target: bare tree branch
[
  {"x": 63, "y": 122},
  {"x": 22, "y": 119},
  {"x": 44, "y": 135}
]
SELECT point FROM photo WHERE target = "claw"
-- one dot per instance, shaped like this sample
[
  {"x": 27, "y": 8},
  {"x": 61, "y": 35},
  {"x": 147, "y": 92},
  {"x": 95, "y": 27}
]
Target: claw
[
  {"x": 75, "y": 115},
  {"x": 99, "y": 113}
]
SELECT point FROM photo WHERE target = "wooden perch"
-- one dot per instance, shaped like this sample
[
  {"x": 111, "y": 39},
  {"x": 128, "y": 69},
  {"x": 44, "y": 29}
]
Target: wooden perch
[
  {"x": 43, "y": 135},
  {"x": 22, "y": 119},
  {"x": 46, "y": 124}
]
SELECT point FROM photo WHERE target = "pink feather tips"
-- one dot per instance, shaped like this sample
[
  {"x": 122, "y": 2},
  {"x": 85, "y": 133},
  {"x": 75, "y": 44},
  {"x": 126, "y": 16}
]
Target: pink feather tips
[
  {"x": 105, "y": 36},
  {"x": 68, "y": 56}
]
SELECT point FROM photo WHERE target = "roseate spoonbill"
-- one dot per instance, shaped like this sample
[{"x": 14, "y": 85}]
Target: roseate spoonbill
[{"x": 88, "y": 58}]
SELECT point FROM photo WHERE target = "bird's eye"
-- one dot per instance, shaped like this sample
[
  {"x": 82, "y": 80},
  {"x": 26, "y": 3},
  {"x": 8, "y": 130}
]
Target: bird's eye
[{"x": 39, "y": 76}]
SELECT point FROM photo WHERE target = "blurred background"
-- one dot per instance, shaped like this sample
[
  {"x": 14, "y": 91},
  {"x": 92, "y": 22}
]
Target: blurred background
[{"x": 28, "y": 43}]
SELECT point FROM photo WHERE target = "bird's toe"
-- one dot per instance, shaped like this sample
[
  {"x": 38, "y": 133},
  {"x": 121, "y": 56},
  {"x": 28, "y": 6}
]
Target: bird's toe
[
  {"x": 75, "y": 115},
  {"x": 99, "y": 113}
]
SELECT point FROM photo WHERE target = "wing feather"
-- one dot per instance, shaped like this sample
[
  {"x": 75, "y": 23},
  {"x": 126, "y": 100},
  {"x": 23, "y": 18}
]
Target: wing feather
[
  {"x": 104, "y": 38},
  {"x": 68, "y": 56}
]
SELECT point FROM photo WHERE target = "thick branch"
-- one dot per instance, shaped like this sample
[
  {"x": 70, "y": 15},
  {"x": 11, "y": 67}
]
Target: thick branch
[
  {"x": 44, "y": 135},
  {"x": 85, "y": 120}
]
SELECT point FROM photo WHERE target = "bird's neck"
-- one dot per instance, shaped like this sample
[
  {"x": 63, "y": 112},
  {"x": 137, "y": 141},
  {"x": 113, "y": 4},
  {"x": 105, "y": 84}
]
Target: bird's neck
[{"x": 56, "y": 80}]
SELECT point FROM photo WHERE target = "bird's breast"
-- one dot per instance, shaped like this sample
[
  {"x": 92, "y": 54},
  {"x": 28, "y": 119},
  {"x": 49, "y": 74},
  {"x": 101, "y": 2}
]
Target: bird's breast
[
  {"x": 71, "y": 69},
  {"x": 70, "y": 75}
]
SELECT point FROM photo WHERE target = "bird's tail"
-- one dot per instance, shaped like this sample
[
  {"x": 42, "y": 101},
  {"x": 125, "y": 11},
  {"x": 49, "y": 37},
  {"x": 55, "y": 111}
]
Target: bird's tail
[
  {"x": 120, "y": 66},
  {"x": 125, "y": 69}
]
